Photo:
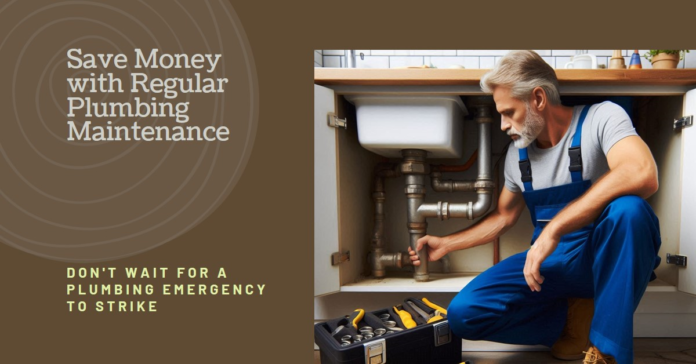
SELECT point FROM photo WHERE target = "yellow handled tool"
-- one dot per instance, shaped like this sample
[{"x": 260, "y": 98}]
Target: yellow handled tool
[
  {"x": 432, "y": 305},
  {"x": 435, "y": 318},
  {"x": 355, "y": 317},
  {"x": 405, "y": 318},
  {"x": 428, "y": 318}
]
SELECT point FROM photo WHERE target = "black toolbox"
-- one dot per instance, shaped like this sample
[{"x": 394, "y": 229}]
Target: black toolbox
[{"x": 425, "y": 343}]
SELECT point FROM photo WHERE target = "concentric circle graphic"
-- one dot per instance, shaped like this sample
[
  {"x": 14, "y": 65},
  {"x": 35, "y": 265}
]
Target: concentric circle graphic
[{"x": 90, "y": 201}]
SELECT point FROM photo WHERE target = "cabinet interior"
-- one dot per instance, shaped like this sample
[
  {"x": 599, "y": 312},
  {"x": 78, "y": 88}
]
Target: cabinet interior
[{"x": 652, "y": 117}]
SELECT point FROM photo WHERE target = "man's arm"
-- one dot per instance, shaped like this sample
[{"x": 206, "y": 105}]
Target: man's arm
[
  {"x": 510, "y": 206},
  {"x": 632, "y": 171}
]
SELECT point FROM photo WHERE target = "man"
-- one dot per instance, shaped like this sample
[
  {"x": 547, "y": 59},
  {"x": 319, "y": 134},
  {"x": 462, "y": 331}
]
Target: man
[{"x": 583, "y": 172}]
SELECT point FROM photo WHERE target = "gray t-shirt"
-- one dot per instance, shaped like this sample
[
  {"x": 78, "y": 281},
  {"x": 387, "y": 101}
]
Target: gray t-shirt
[{"x": 606, "y": 123}]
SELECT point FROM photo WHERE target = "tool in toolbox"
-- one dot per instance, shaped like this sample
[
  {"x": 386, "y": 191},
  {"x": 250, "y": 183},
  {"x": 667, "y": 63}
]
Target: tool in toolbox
[
  {"x": 428, "y": 318},
  {"x": 432, "y": 305},
  {"x": 354, "y": 341},
  {"x": 405, "y": 318},
  {"x": 355, "y": 317},
  {"x": 338, "y": 329}
]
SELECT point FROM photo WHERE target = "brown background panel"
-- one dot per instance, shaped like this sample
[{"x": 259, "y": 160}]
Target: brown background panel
[{"x": 262, "y": 233}]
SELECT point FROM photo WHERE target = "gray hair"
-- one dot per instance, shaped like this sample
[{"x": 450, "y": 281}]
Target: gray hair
[{"x": 523, "y": 71}]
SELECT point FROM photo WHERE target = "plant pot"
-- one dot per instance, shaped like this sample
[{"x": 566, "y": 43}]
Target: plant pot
[{"x": 665, "y": 61}]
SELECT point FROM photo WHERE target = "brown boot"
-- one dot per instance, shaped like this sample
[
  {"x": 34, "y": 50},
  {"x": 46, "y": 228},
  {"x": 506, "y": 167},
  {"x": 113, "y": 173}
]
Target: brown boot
[
  {"x": 575, "y": 338},
  {"x": 594, "y": 356}
]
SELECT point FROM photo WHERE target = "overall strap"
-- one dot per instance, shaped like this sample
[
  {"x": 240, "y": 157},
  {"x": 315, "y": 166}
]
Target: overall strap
[
  {"x": 575, "y": 152},
  {"x": 525, "y": 169}
]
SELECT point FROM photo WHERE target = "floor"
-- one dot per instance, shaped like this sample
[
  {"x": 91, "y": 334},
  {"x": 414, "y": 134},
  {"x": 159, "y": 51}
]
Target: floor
[{"x": 647, "y": 351}]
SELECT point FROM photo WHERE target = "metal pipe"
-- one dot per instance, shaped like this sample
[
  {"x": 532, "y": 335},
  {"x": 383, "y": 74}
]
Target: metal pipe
[
  {"x": 378, "y": 196},
  {"x": 445, "y": 263},
  {"x": 430, "y": 210},
  {"x": 414, "y": 169},
  {"x": 496, "y": 192},
  {"x": 446, "y": 210},
  {"x": 383, "y": 260},
  {"x": 377, "y": 237},
  {"x": 449, "y": 185},
  {"x": 484, "y": 119},
  {"x": 483, "y": 185},
  {"x": 470, "y": 210},
  {"x": 379, "y": 259},
  {"x": 482, "y": 204},
  {"x": 350, "y": 58},
  {"x": 484, "y": 156},
  {"x": 398, "y": 259}
]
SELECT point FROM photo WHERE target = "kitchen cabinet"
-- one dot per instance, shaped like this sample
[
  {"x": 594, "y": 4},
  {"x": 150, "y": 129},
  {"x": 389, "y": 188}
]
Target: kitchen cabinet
[{"x": 343, "y": 176}]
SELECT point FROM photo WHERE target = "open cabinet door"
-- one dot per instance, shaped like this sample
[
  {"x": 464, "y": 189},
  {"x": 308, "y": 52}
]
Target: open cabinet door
[
  {"x": 687, "y": 236},
  {"x": 326, "y": 276}
]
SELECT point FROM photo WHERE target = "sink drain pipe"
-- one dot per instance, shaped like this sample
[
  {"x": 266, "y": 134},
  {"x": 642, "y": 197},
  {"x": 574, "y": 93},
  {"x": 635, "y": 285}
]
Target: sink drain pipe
[
  {"x": 483, "y": 185},
  {"x": 415, "y": 171},
  {"x": 414, "y": 168}
]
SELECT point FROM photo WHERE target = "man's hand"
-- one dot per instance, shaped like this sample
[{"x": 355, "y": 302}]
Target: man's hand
[
  {"x": 436, "y": 249},
  {"x": 542, "y": 248}
]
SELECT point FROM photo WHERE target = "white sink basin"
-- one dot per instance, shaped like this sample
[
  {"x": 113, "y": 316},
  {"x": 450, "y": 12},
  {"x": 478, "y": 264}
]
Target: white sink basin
[{"x": 388, "y": 124}]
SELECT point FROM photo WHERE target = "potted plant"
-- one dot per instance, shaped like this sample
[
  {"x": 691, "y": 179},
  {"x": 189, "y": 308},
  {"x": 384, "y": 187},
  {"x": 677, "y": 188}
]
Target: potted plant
[{"x": 662, "y": 59}]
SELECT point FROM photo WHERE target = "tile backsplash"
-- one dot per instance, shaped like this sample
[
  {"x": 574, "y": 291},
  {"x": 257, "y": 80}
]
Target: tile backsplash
[{"x": 475, "y": 58}]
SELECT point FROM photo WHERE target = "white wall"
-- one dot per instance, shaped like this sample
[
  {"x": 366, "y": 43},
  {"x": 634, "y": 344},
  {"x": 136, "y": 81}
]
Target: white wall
[
  {"x": 318, "y": 58},
  {"x": 469, "y": 58}
]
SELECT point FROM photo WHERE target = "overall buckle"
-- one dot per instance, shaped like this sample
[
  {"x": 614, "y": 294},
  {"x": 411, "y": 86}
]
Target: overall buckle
[
  {"x": 575, "y": 159},
  {"x": 526, "y": 170}
]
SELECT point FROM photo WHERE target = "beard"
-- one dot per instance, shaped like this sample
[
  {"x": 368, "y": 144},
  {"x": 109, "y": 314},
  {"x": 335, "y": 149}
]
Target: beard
[{"x": 531, "y": 128}]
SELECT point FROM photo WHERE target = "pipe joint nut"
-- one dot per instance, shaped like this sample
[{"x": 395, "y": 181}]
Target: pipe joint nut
[
  {"x": 483, "y": 114},
  {"x": 442, "y": 186},
  {"x": 417, "y": 226},
  {"x": 415, "y": 190},
  {"x": 443, "y": 210},
  {"x": 398, "y": 260},
  {"x": 413, "y": 167},
  {"x": 484, "y": 185}
]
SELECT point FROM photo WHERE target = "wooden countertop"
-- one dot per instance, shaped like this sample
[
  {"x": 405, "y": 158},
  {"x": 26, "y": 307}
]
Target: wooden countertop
[{"x": 469, "y": 77}]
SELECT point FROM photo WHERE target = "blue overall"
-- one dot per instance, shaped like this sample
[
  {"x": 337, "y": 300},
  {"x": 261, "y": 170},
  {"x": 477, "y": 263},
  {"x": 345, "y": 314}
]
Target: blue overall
[{"x": 611, "y": 260}]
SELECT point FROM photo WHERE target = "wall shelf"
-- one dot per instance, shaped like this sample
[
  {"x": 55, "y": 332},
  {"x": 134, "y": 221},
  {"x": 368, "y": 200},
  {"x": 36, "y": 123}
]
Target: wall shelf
[
  {"x": 471, "y": 77},
  {"x": 403, "y": 282},
  {"x": 453, "y": 282}
]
